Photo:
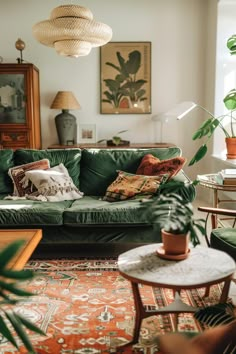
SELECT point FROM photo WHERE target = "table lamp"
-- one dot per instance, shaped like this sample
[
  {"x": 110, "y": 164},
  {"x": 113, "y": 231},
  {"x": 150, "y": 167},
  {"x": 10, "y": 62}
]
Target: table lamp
[{"x": 66, "y": 122}]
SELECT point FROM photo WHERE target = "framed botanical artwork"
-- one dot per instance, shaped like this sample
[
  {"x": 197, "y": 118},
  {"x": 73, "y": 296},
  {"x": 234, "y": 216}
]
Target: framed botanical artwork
[
  {"x": 87, "y": 133},
  {"x": 125, "y": 78}
]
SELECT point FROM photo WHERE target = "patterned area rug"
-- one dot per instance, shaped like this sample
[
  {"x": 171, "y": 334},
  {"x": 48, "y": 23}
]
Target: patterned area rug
[{"x": 86, "y": 307}]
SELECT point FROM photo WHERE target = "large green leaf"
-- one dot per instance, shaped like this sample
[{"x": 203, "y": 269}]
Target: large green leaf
[
  {"x": 13, "y": 289},
  {"x": 123, "y": 68},
  {"x": 207, "y": 128},
  {"x": 199, "y": 155},
  {"x": 231, "y": 44},
  {"x": 20, "y": 331},
  {"x": 17, "y": 274},
  {"x": 29, "y": 325},
  {"x": 113, "y": 85},
  {"x": 134, "y": 85},
  {"x": 133, "y": 64},
  {"x": 113, "y": 66},
  {"x": 230, "y": 100},
  {"x": 6, "y": 332},
  {"x": 216, "y": 314},
  {"x": 9, "y": 252},
  {"x": 140, "y": 93}
]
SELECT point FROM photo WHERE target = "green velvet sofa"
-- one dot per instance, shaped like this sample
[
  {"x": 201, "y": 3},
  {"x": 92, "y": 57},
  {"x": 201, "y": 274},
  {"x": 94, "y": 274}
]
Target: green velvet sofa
[{"x": 89, "y": 221}]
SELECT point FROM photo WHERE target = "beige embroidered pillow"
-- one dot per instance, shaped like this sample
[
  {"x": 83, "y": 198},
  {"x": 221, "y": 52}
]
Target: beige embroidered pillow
[
  {"x": 23, "y": 186},
  {"x": 55, "y": 184}
]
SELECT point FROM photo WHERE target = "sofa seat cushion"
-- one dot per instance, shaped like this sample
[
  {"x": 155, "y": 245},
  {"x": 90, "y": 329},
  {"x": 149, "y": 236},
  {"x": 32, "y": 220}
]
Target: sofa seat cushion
[
  {"x": 91, "y": 210},
  {"x": 99, "y": 166},
  {"x": 69, "y": 157},
  {"x": 28, "y": 212}
]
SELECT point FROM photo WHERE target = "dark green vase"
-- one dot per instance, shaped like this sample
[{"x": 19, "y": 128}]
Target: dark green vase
[{"x": 66, "y": 128}]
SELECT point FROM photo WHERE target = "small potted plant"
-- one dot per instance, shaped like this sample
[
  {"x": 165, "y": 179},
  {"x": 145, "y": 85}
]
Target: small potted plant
[
  {"x": 116, "y": 140},
  {"x": 175, "y": 217},
  {"x": 209, "y": 126}
]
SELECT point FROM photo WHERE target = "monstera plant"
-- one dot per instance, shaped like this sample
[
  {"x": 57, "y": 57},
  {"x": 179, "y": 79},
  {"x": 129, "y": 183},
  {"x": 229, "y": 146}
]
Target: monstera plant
[
  {"x": 226, "y": 122},
  {"x": 12, "y": 324},
  {"x": 125, "y": 85}
]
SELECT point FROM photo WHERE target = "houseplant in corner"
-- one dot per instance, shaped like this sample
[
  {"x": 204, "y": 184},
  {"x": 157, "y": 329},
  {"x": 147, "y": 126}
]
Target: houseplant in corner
[
  {"x": 175, "y": 217},
  {"x": 225, "y": 122}
]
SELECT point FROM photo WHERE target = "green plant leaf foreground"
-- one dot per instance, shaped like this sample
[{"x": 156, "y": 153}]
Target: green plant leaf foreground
[
  {"x": 9, "y": 279},
  {"x": 9, "y": 252},
  {"x": 6, "y": 332},
  {"x": 16, "y": 323}
]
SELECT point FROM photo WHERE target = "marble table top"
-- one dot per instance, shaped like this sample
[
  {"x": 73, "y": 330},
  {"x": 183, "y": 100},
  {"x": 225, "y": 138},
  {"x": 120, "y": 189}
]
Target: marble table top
[{"x": 203, "y": 265}]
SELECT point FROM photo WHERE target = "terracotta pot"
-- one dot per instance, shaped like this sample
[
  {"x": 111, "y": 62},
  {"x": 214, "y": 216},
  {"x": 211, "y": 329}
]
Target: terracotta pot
[
  {"x": 175, "y": 244},
  {"x": 231, "y": 148}
]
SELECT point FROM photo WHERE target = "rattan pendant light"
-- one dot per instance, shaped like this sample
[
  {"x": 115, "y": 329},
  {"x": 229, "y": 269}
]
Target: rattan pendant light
[{"x": 72, "y": 31}]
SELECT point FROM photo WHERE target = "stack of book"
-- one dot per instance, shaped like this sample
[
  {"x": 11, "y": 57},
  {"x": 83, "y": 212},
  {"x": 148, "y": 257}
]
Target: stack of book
[{"x": 227, "y": 176}]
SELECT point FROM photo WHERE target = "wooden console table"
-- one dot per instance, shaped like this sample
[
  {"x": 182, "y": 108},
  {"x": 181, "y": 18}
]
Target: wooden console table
[{"x": 104, "y": 146}]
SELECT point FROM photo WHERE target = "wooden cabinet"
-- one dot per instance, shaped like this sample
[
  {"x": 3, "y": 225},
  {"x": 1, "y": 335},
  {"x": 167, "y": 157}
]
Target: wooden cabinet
[{"x": 19, "y": 106}]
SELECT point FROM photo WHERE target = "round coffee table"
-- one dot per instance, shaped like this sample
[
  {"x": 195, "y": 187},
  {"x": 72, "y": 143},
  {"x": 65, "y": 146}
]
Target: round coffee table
[{"x": 202, "y": 268}]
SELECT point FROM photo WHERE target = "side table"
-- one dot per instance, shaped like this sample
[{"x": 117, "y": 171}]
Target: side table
[
  {"x": 209, "y": 181},
  {"x": 203, "y": 268}
]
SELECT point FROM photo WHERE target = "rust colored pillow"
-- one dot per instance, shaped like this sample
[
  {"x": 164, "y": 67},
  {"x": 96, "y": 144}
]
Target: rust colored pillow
[
  {"x": 22, "y": 185},
  {"x": 152, "y": 166},
  {"x": 128, "y": 185}
]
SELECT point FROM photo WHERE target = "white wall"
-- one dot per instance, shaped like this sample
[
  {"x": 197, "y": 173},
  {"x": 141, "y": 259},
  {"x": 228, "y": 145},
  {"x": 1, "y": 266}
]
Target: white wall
[{"x": 178, "y": 30}]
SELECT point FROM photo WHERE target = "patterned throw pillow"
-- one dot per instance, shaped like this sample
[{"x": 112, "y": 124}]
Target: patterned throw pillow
[
  {"x": 152, "y": 166},
  {"x": 128, "y": 185},
  {"x": 54, "y": 183},
  {"x": 23, "y": 186}
]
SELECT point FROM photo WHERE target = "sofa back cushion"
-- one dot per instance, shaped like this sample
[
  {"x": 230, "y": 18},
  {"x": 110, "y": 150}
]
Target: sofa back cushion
[
  {"x": 6, "y": 162},
  {"x": 99, "y": 167},
  {"x": 69, "y": 157}
]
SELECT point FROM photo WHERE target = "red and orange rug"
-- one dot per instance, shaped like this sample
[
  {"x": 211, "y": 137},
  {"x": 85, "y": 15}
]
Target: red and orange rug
[{"x": 86, "y": 307}]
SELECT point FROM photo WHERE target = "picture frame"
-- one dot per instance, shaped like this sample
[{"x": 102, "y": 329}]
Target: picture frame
[
  {"x": 125, "y": 78},
  {"x": 87, "y": 133}
]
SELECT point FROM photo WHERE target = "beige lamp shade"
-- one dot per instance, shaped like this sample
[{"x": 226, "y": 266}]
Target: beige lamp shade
[
  {"x": 65, "y": 100},
  {"x": 72, "y": 31}
]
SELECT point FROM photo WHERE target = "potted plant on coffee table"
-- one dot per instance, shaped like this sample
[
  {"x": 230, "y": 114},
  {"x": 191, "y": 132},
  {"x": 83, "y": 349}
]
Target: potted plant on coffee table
[
  {"x": 225, "y": 122},
  {"x": 175, "y": 217}
]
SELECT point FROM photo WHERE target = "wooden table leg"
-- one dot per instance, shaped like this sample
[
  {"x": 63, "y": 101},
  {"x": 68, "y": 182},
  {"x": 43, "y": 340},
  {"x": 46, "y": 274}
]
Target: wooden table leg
[
  {"x": 225, "y": 290},
  {"x": 140, "y": 314}
]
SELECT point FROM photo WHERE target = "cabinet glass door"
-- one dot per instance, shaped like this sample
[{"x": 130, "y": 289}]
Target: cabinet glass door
[{"x": 12, "y": 99}]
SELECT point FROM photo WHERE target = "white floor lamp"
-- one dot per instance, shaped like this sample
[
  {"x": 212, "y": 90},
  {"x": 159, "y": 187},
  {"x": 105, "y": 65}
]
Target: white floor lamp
[{"x": 178, "y": 112}]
